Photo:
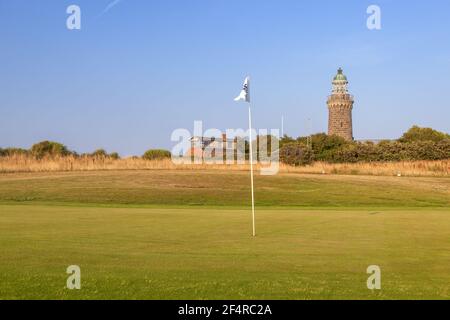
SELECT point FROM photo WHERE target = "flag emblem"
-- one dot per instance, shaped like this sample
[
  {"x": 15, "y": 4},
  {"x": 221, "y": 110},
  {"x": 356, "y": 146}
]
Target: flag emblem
[{"x": 245, "y": 92}]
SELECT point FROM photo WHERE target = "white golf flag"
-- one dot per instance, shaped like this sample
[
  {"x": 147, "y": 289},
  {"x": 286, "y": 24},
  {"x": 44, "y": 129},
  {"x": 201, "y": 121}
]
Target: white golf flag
[{"x": 245, "y": 93}]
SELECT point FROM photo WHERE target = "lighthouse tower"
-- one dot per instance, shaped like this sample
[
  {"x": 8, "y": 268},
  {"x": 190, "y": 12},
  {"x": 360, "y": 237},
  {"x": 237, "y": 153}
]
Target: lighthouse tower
[{"x": 340, "y": 106}]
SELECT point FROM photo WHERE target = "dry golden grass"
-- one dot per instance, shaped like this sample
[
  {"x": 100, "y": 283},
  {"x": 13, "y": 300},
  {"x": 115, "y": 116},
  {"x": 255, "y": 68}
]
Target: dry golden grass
[
  {"x": 23, "y": 163},
  {"x": 439, "y": 168}
]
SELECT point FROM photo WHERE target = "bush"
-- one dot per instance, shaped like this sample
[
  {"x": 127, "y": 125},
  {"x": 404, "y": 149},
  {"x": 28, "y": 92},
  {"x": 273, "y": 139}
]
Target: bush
[
  {"x": 393, "y": 151},
  {"x": 286, "y": 140},
  {"x": 99, "y": 153},
  {"x": 114, "y": 156},
  {"x": 156, "y": 154},
  {"x": 264, "y": 146},
  {"x": 296, "y": 154},
  {"x": 423, "y": 134},
  {"x": 49, "y": 149},
  {"x": 12, "y": 151},
  {"x": 429, "y": 150},
  {"x": 325, "y": 146}
]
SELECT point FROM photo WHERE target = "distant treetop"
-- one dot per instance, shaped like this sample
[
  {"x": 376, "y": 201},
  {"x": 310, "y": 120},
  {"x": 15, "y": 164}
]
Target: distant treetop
[
  {"x": 49, "y": 149},
  {"x": 417, "y": 133}
]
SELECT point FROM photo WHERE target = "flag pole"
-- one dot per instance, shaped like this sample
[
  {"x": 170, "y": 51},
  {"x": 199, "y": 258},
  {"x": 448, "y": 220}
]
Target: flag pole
[
  {"x": 245, "y": 96},
  {"x": 251, "y": 167}
]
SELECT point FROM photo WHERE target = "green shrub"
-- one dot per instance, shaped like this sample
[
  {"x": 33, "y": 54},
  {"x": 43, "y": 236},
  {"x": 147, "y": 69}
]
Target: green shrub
[
  {"x": 286, "y": 140},
  {"x": 114, "y": 156},
  {"x": 324, "y": 146},
  {"x": 429, "y": 150},
  {"x": 417, "y": 133},
  {"x": 13, "y": 151},
  {"x": 393, "y": 151},
  {"x": 99, "y": 153},
  {"x": 156, "y": 154},
  {"x": 49, "y": 149},
  {"x": 264, "y": 146},
  {"x": 296, "y": 154}
]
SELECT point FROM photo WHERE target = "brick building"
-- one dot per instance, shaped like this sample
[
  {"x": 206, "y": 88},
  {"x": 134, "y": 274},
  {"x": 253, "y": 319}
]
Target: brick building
[{"x": 208, "y": 147}]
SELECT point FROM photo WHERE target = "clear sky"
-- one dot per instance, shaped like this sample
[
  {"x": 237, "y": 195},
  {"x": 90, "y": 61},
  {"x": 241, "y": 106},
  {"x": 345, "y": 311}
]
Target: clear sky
[{"x": 140, "y": 69}]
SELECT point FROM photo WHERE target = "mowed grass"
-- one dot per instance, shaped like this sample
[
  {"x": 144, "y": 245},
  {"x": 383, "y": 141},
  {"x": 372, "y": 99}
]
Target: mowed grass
[
  {"x": 221, "y": 188},
  {"x": 186, "y": 235}
]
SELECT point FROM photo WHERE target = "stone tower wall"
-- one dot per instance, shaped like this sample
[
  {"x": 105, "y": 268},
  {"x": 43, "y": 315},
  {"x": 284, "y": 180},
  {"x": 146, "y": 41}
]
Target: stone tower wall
[{"x": 340, "y": 116}]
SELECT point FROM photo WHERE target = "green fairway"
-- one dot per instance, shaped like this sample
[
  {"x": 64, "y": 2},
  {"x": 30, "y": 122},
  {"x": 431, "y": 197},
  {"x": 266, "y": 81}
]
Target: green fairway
[
  {"x": 160, "y": 235},
  {"x": 202, "y": 253}
]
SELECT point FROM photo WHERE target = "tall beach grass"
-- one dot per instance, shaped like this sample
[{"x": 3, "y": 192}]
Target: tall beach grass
[{"x": 24, "y": 163}]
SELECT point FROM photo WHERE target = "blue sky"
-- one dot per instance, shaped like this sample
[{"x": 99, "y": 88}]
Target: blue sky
[{"x": 141, "y": 69}]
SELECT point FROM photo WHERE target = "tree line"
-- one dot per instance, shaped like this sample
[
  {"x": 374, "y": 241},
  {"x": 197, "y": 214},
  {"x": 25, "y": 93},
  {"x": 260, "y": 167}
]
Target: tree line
[
  {"x": 51, "y": 149},
  {"x": 415, "y": 144}
]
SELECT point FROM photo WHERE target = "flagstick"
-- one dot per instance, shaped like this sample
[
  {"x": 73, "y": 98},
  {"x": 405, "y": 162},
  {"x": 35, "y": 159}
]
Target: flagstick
[{"x": 251, "y": 167}]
